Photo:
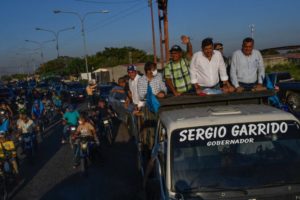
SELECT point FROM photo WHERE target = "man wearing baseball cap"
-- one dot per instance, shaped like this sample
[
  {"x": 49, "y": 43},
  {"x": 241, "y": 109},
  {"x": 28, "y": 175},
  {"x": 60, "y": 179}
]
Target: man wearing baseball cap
[
  {"x": 177, "y": 70},
  {"x": 133, "y": 81}
]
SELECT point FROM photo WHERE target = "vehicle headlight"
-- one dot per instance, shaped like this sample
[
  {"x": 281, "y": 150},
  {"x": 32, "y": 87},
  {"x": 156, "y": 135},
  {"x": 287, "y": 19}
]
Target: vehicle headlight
[{"x": 84, "y": 145}]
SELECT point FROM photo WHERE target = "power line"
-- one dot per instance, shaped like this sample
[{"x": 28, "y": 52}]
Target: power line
[
  {"x": 119, "y": 18},
  {"x": 118, "y": 14}
]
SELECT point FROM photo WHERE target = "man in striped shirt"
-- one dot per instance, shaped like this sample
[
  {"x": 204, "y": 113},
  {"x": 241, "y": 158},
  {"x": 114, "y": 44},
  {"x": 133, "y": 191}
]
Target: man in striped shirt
[{"x": 177, "y": 70}]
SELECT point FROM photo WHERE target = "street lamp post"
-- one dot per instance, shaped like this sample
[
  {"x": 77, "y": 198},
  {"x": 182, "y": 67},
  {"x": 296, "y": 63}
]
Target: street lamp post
[
  {"x": 56, "y": 34},
  {"x": 82, "y": 19},
  {"x": 40, "y": 46}
]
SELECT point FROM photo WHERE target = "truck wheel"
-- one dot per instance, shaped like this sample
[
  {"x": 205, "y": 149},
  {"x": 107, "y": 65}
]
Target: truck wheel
[{"x": 293, "y": 99}]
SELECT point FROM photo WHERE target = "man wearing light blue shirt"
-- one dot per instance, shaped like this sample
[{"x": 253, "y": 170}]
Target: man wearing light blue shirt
[{"x": 247, "y": 68}]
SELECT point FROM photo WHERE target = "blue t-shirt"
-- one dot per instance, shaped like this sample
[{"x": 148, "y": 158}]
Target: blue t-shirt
[
  {"x": 38, "y": 112},
  {"x": 72, "y": 117},
  {"x": 4, "y": 126}
]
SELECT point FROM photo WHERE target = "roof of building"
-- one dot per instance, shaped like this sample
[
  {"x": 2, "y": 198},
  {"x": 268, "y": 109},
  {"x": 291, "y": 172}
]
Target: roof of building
[{"x": 293, "y": 56}]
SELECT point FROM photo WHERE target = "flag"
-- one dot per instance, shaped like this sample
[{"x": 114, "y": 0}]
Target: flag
[{"x": 151, "y": 100}]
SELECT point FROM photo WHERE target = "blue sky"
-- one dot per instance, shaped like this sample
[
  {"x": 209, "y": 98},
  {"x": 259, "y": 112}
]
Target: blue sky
[{"x": 128, "y": 23}]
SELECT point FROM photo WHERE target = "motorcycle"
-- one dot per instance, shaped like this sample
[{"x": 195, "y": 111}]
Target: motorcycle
[
  {"x": 71, "y": 130},
  {"x": 7, "y": 170},
  {"x": 28, "y": 141},
  {"x": 107, "y": 129},
  {"x": 84, "y": 151}
]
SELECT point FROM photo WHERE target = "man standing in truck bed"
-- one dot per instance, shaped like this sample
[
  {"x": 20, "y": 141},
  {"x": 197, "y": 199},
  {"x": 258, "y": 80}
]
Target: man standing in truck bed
[
  {"x": 177, "y": 73},
  {"x": 247, "y": 70}
]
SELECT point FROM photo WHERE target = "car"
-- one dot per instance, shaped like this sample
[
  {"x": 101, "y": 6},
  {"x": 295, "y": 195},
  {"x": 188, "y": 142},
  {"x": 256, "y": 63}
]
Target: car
[
  {"x": 225, "y": 146},
  {"x": 289, "y": 90},
  {"x": 73, "y": 92}
]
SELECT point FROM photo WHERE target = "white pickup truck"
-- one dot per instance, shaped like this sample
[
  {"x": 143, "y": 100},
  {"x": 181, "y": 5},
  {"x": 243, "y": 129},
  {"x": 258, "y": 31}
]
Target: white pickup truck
[{"x": 224, "y": 147}]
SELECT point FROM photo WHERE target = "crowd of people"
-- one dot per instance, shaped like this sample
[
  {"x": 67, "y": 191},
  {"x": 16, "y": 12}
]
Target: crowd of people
[{"x": 204, "y": 72}]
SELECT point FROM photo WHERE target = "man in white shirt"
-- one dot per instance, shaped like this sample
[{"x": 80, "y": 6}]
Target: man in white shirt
[
  {"x": 133, "y": 82},
  {"x": 207, "y": 67},
  {"x": 247, "y": 68}
]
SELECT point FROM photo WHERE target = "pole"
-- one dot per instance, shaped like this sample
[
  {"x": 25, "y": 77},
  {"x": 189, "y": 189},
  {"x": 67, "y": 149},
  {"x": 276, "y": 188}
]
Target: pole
[
  {"x": 161, "y": 40},
  {"x": 153, "y": 31},
  {"x": 166, "y": 31},
  {"x": 85, "y": 48}
]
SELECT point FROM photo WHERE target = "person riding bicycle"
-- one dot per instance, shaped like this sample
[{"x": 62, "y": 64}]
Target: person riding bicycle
[
  {"x": 85, "y": 129},
  {"x": 70, "y": 118}
]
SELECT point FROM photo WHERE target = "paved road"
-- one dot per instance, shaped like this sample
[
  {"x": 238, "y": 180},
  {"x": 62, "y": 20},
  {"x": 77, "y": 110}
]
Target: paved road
[{"x": 52, "y": 176}]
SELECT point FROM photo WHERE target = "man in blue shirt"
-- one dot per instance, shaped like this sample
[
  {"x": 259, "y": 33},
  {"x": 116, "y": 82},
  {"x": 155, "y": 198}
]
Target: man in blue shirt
[
  {"x": 4, "y": 122},
  {"x": 37, "y": 110},
  {"x": 247, "y": 70},
  {"x": 70, "y": 118}
]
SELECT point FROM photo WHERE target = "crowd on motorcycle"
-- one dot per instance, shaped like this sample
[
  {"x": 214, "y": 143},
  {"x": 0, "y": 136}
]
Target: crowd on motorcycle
[{"x": 24, "y": 123}]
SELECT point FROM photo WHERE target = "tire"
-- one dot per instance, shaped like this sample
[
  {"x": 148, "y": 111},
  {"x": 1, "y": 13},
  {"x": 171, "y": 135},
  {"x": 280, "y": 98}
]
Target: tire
[
  {"x": 83, "y": 163},
  {"x": 3, "y": 187},
  {"x": 109, "y": 136}
]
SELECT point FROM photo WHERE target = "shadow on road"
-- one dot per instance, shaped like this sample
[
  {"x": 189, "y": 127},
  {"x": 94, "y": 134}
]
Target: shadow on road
[
  {"x": 115, "y": 177},
  {"x": 28, "y": 170}
]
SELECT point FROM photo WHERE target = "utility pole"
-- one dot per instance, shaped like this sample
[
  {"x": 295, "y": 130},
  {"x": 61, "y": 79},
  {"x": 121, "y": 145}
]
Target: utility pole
[
  {"x": 150, "y": 3},
  {"x": 164, "y": 36}
]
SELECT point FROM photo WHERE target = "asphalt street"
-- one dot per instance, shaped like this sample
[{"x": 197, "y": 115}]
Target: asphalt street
[{"x": 112, "y": 176}]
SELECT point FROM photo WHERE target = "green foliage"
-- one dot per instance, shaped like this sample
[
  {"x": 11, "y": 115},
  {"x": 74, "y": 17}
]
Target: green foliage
[
  {"x": 14, "y": 76},
  {"x": 267, "y": 52},
  {"x": 108, "y": 58},
  {"x": 293, "y": 69},
  {"x": 294, "y": 51}
]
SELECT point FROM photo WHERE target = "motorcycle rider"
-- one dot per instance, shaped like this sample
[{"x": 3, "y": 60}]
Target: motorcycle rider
[
  {"x": 21, "y": 104},
  {"x": 103, "y": 112},
  {"x": 6, "y": 107},
  {"x": 85, "y": 128},
  {"x": 37, "y": 112},
  {"x": 56, "y": 100},
  {"x": 26, "y": 125},
  {"x": 4, "y": 122},
  {"x": 70, "y": 118},
  {"x": 9, "y": 145},
  {"x": 90, "y": 92}
]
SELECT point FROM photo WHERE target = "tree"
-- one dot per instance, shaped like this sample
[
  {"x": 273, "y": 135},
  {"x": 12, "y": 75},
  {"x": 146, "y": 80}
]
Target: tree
[
  {"x": 267, "y": 52},
  {"x": 109, "y": 57}
]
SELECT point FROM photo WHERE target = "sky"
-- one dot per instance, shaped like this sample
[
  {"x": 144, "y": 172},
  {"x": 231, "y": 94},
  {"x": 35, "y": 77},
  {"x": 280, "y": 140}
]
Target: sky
[{"x": 128, "y": 23}]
